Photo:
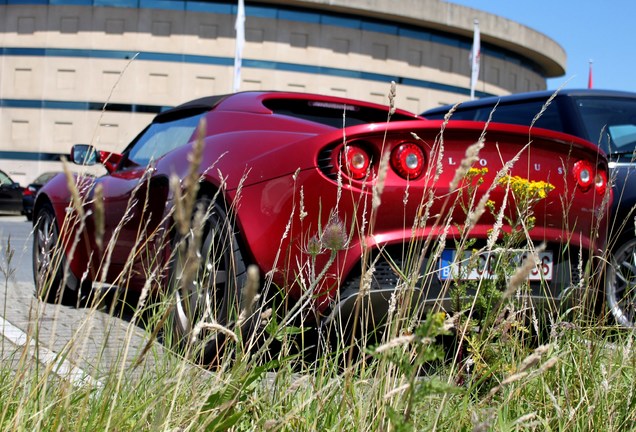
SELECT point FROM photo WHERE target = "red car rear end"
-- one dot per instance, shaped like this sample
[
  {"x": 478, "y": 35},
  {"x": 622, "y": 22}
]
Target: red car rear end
[{"x": 333, "y": 199}]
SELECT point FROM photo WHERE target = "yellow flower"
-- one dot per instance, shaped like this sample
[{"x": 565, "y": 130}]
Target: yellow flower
[{"x": 525, "y": 189}]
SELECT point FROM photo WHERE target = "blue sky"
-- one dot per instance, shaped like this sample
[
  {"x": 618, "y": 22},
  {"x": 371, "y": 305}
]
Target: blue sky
[{"x": 601, "y": 31}]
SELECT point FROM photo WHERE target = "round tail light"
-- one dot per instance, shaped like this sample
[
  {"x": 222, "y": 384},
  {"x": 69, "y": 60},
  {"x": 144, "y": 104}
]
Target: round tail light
[
  {"x": 584, "y": 174},
  {"x": 357, "y": 162},
  {"x": 600, "y": 182},
  {"x": 408, "y": 160}
]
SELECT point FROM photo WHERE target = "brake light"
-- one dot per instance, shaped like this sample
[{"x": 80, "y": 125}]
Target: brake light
[
  {"x": 28, "y": 191},
  {"x": 586, "y": 176},
  {"x": 407, "y": 160},
  {"x": 600, "y": 182},
  {"x": 357, "y": 162},
  {"x": 583, "y": 173}
]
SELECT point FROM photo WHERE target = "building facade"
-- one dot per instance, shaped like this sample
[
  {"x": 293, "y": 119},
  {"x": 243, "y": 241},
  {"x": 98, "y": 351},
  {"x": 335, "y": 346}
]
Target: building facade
[{"x": 96, "y": 71}]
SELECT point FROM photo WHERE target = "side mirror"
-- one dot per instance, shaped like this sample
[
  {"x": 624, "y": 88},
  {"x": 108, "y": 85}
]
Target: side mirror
[{"x": 84, "y": 154}]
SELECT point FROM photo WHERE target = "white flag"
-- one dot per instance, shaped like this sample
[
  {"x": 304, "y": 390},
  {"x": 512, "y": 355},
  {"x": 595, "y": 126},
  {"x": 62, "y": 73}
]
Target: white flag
[
  {"x": 239, "y": 26},
  {"x": 474, "y": 61}
]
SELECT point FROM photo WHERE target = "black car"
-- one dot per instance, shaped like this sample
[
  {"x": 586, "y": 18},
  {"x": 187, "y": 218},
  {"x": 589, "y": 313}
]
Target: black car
[
  {"x": 10, "y": 195},
  {"x": 607, "y": 118},
  {"x": 28, "y": 195}
]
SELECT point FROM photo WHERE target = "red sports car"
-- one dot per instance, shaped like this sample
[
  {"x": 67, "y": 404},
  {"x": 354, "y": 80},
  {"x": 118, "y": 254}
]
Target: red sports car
[{"x": 331, "y": 199}]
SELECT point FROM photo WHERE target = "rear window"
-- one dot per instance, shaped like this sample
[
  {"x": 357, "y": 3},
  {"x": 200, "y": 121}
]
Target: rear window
[
  {"x": 332, "y": 114},
  {"x": 611, "y": 122}
]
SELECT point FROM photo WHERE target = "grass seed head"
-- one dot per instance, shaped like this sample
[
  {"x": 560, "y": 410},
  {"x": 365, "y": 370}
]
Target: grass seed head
[
  {"x": 378, "y": 188},
  {"x": 521, "y": 273},
  {"x": 472, "y": 156}
]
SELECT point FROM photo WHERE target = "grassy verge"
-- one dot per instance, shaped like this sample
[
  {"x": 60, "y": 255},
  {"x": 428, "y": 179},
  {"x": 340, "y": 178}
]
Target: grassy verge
[{"x": 581, "y": 379}]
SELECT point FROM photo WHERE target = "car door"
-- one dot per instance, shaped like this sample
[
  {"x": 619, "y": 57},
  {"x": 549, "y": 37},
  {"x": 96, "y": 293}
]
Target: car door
[
  {"x": 134, "y": 201},
  {"x": 10, "y": 194}
]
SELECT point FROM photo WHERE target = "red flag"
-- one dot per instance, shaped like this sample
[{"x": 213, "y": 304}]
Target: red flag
[{"x": 589, "y": 77}]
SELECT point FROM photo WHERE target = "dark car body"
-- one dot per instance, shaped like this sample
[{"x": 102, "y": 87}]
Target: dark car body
[
  {"x": 29, "y": 192},
  {"x": 10, "y": 195},
  {"x": 604, "y": 117},
  {"x": 298, "y": 176}
]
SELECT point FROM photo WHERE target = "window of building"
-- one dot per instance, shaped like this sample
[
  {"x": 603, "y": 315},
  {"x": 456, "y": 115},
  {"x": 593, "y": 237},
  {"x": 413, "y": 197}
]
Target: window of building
[
  {"x": 161, "y": 28},
  {"x": 69, "y": 25},
  {"x": 114, "y": 26},
  {"x": 299, "y": 40},
  {"x": 340, "y": 45},
  {"x": 26, "y": 25},
  {"x": 379, "y": 51}
]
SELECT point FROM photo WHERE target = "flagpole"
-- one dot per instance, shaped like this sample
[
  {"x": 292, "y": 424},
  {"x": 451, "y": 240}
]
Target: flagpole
[
  {"x": 239, "y": 26},
  {"x": 475, "y": 55}
]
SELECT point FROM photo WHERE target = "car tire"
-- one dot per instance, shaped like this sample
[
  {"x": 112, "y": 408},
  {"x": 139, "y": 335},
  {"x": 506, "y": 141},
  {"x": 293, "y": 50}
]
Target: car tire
[
  {"x": 207, "y": 303},
  {"x": 620, "y": 285},
  {"x": 49, "y": 260}
]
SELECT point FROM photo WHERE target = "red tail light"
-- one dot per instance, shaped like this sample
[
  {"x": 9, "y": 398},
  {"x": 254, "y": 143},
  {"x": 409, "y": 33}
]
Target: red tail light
[
  {"x": 357, "y": 162},
  {"x": 28, "y": 191},
  {"x": 600, "y": 182},
  {"x": 586, "y": 176},
  {"x": 408, "y": 160}
]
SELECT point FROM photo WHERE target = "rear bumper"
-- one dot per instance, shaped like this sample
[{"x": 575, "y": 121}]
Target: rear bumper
[{"x": 387, "y": 292}]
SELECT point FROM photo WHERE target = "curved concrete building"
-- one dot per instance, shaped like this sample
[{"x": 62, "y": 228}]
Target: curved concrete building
[{"x": 80, "y": 71}]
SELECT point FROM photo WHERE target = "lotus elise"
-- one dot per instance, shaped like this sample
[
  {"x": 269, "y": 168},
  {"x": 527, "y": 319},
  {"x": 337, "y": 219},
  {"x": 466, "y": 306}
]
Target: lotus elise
[{"x": 332, "y": 200}]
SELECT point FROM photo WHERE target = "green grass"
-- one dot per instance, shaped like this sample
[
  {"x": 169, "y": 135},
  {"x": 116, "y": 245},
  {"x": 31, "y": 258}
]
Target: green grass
[{"x": 581, "y": 379}]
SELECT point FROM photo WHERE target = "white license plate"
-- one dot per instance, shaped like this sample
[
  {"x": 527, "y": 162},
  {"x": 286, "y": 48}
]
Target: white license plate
[{"x": 484, "y": 265}]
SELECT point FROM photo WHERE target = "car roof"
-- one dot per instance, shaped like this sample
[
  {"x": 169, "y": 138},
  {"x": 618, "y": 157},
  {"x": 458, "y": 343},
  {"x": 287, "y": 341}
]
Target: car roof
[
  {"x": 190, "y": 108},
  {"x": 255, "y": 101},
  {"x": 543, "y": 94}
]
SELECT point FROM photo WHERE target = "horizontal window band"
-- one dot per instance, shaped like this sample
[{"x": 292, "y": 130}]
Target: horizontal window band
[
  {"x": 303, "y": 15},
  {"x": 82, "y": 106},
  {"x": 227, "y": 61},
  {"x": 32, "y": 156}
]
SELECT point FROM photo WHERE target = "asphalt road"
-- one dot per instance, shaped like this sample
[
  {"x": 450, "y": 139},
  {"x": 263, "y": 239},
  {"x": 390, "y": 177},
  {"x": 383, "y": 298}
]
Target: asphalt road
[
  {"x": 81, "y": 345},
  {"x": 15, "y": 235}
]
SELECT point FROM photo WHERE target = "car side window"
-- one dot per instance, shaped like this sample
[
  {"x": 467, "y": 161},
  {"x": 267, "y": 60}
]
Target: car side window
[
  {"x": 5, "y": 180},
  {"x": 161, "y": 138},
  {"x": 610, "y": 122}
]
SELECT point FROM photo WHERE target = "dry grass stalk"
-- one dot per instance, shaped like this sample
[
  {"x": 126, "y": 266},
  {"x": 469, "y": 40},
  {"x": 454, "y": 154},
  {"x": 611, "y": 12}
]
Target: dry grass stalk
[
  {"x": 183, "y": 212},
  {"x": 378, "y": 188},
  {"x": 249, "y": 297},
  {"x": 99, "y": 216},
  {"x": 471, "y": 156},
  {"x": 524, "y": 369},
  {"x": 76, "y": 200},
  {"x": 521, "y": 274},
  {"x": 392, "y": 94},
  {"x": 211, "y": 325},
  {"x": 475, "y": 214}
]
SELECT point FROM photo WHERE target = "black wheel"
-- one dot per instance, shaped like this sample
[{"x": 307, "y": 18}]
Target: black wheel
[
  {"x": 621, "y": 284},
  {"x": 206, "y": 282},
  {"x": 49, "y": 261}
]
